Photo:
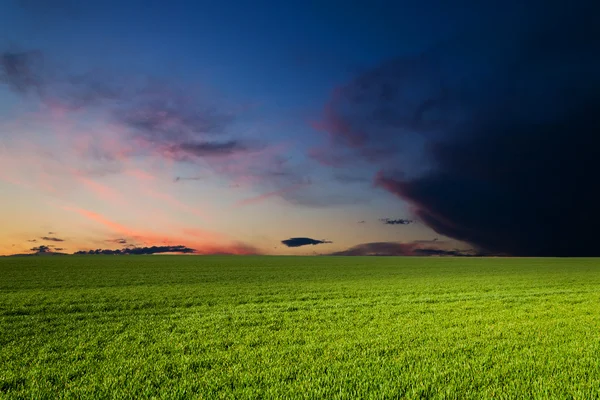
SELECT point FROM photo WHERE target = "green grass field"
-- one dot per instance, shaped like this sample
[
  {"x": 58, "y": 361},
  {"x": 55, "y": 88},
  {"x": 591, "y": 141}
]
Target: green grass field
[{"x": 299, "y": 327}]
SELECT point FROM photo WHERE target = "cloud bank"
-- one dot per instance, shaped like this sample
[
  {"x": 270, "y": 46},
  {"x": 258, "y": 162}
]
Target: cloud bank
[
  {"x": 416, "y": 248},
  {"x": 180, "y": 249}
]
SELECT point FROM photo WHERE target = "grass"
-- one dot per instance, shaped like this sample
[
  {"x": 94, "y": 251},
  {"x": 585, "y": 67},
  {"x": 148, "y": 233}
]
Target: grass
[{"x": 299, "y": 327}]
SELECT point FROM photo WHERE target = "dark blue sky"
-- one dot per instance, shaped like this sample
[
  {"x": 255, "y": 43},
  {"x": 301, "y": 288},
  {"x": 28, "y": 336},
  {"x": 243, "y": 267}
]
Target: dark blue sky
[{"x": 295, "y": 119}]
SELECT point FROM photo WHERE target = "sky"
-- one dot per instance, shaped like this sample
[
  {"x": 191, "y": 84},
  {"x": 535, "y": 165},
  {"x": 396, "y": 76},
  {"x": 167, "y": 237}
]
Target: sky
[{"x": 312, "y": 127}]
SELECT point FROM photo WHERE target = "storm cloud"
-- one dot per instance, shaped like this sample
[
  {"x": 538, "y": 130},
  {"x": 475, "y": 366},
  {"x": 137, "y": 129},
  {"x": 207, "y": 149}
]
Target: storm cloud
[{"x": 492, "y": 139}]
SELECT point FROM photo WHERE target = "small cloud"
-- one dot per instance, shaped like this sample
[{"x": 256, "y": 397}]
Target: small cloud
[
  {"x": 52, "y": 239},
  {"x": 191, "y": 178},
  {"x": 399, "y": 221},
  {"x": 302, "y": 241},
  {"x": 41, "y": 249},
  {"x": 32, "y": 240},
  {"x": 362, "y": 222},
  {"x": 207, "y": 149},
  {"x": 118, "y": 241}
]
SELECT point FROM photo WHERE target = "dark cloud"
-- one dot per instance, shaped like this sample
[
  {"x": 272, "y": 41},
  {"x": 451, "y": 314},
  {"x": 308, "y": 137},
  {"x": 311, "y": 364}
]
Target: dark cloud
[
  {"x": 416, "y": 248},
  {"x": 41, "y": 249},
  {"x": 118, "y": 241},
  {"x": 399, "y": 221},
  {"x": 430, "y": 241},
  {"x": 361, "y": 222},
  {"x": 302, "y": 241},
  {"x": 32, "y": 240},
  {"x": 21, "y": 71},
  {"x": 207, "y": 149},
  {"x": 141, "y": 250},
  {"x": 492, "y": 139},
  {"x": 52, "y": 239},
  {"x": 190, "y": 178},
  {"x": 442, "y": 252}
]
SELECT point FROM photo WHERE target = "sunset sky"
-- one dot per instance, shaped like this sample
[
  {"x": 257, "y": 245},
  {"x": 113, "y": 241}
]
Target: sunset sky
[{"x": 232, "y": 127}]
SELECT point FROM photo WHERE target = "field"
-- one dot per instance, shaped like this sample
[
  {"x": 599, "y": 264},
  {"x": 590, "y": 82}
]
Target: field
[{"x": 299, "y": 327}]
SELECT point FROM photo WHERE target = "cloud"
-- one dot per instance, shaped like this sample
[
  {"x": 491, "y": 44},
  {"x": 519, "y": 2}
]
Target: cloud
[
  {"x": 141, "y": 250},
  {"x": 204, "y": 242},
  {"x": 161, "y": 111},
  {"x": 191, "y": 178},
  {"x": 184, "y": 151},
  {"x": 21, "y": 71},
  {"x": 442, "y": 252},
  {"x": 118, "y": 241},
  {"x": 415, "y": 248},
  {"x": 491, "y": 139},
  {"x": 399, "y": 221},
  {"x": 302, "y": 241},
  {"x": 52, "y": 239},
  {"x": 361, "y": 222},
  {"x": 172, "y": 121},
  {"x": 41, "y": 249}
]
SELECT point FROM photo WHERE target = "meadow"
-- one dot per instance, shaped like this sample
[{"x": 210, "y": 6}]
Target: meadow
[{"x": 224, "y": 327}]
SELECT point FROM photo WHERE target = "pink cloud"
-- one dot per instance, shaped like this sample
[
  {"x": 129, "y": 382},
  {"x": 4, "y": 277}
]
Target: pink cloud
[{"x": 204, "y": 242}]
